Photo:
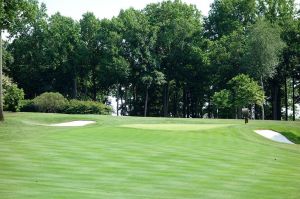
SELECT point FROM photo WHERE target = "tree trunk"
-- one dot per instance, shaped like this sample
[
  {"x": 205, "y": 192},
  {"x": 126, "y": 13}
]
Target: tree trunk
[
  {"x": 286, "y": 99},
  {"x": 276, "y": 102},
  {"x": 294, "y": 114},
  {"x": 135, "y": 100},
  {"x": 262, "y": 107},
  {"x": 166, "y": 99},
  {"x": 1, "y": 100},
  {"x": 197, "y": 108},
  {"x": 175, "y": 111},
  {"x": 94, "y": 85},
  {"x": 146, "y": 102},
  {"x": 201, "y": 110},
  {"x": 85, "y": 87},
  {"x": 74, "y": 88},
  {"x": 209, "y": 107},
  {"x": 131, "y": 95},
  {"x": 184, "y": 103},
  {"x": 256, "y": 109},
  {"x": 121, "y": 98},
  {"x": 117, "y": 99},
  {"x": 188, "y": 112},
  {"x": 125, "y": 101}
]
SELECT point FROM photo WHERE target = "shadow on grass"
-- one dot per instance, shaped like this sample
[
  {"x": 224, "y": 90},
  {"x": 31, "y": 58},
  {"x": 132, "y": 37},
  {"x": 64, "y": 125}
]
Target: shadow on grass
[{"x": 292, "y": 137}]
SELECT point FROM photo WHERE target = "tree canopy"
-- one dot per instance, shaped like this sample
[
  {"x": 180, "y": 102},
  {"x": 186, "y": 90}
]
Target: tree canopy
[
  {"x": 164, "y": 60},
  {"x": 14, "y": 15}
]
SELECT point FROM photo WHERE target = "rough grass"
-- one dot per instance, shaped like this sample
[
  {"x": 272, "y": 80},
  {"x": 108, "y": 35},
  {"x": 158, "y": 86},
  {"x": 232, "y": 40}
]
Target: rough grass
[{"x": 131, "y": 157}]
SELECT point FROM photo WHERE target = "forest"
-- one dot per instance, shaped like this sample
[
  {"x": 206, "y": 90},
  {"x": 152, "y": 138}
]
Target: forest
[{"x": 164, "y": 60}]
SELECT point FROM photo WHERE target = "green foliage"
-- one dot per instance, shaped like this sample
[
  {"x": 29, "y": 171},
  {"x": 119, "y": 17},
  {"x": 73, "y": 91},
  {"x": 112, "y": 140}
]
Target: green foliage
[
  {"x": 12, "y": 98},
  {"x": 56, "y": 103},
  {"x": 227, "y": 16},
  {"x": 246, "y": 91},
  {"x": 50, "y": 102},
  {"x": 6, "y": 82},
  {"x": 166, "y": 56},
  {"x": 65, "y": 51},
  {"x": 12, "y": 95},
  {"x": 264, "y": 46},
  {"x": 277, "y": 11},
  {"x": 28, "y": 106},
  {"x": 33, "y": 57},
  {"x": 242, "y": 91},
  {"x": 222, "y": 98},
  {"x": 86, "y": 107},
  {"x": 226, "y": 57},
  {"x": 16, "y": 13}
]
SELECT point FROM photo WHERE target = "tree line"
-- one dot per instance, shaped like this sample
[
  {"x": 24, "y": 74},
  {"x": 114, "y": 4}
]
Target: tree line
[{"x": 166, "y": 59}]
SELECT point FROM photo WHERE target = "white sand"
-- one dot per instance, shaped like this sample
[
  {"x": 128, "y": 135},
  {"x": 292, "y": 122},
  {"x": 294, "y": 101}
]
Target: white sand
[
  {"x": 74, "y": 123},
  {"x": 272, "y": 135}
]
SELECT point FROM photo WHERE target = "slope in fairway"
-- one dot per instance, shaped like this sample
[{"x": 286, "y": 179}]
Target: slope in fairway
[
  {"x": 109, "y": 160},
  {"x": 177, "y": 127}
]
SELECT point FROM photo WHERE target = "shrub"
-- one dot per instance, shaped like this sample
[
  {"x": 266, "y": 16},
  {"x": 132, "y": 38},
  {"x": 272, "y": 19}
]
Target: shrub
[
  {"x": 13, "y": 97},
  {"x": 50, "y": 102},
  {"x": 28, "y": 106},
  {"x": 86, "y": 107},
  {"x": 56, "y": 103}
]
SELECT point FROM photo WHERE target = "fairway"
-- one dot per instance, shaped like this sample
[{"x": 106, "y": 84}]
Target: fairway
[{"x": 132, "y": 157}]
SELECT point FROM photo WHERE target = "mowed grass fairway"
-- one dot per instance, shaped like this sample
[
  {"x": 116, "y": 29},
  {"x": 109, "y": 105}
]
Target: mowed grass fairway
[{"x": 129, "y": 157}]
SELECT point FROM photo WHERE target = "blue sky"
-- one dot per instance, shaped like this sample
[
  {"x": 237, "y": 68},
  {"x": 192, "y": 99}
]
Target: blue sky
[{"x": 107, "y": 8}]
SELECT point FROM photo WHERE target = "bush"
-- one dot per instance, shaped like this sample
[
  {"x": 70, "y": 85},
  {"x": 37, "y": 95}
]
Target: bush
[
  {"x": 86, "y": 107},
  {"x": 13, "y": 97},
  {"x": 28, "y": 106},
  {"x": 56, "y": 103},
  {"x": 50, "y": 102}
]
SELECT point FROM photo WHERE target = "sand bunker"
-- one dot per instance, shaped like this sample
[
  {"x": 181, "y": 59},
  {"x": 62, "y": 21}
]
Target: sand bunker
[
  {"x": 272, "y": 135},
  {"x": 74, "y": 123}
]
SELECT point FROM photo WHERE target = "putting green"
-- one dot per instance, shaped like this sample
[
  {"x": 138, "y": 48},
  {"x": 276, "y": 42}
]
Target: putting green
[{"x": 177, "y": 127}]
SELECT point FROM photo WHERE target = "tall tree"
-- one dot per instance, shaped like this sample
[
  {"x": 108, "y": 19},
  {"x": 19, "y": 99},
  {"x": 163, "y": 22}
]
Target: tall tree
[
  {"x": 113, "y": 68},
  {"x": 31, "y": 67},
  {"x": 90, "y": 26},
  {"x": 246, "y": 92},
  {"x": 281, "y": 12},
  {"x": 178, "y": 23},
  {"x": 264, "y": 46},
  {"x": 138, "y": 47},
  {"x": 64, "y": 43},
  {"x": 242, "y": 92},
  {"x": 13, "y": 13},
  {"x": 227, "y": 16}
]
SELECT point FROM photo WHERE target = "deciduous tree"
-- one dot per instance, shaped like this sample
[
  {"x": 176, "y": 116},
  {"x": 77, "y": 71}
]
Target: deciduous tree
[
  {"x": 13, "y": 13},
  {"x": 263, "y": 47}
]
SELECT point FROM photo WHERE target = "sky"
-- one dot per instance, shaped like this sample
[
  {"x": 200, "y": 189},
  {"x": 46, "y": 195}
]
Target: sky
[{"x": 107, "y": 8}]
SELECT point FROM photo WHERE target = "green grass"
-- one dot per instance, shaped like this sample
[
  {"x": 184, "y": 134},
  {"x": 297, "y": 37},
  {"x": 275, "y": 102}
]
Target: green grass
[
  {"x": 130, "y": 157},
  {"x": 176, "y": 127}
]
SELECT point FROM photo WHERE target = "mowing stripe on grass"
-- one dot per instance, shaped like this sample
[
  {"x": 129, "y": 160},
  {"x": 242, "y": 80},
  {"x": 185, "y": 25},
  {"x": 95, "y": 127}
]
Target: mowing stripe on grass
[{"x": 108, "y": 160}]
